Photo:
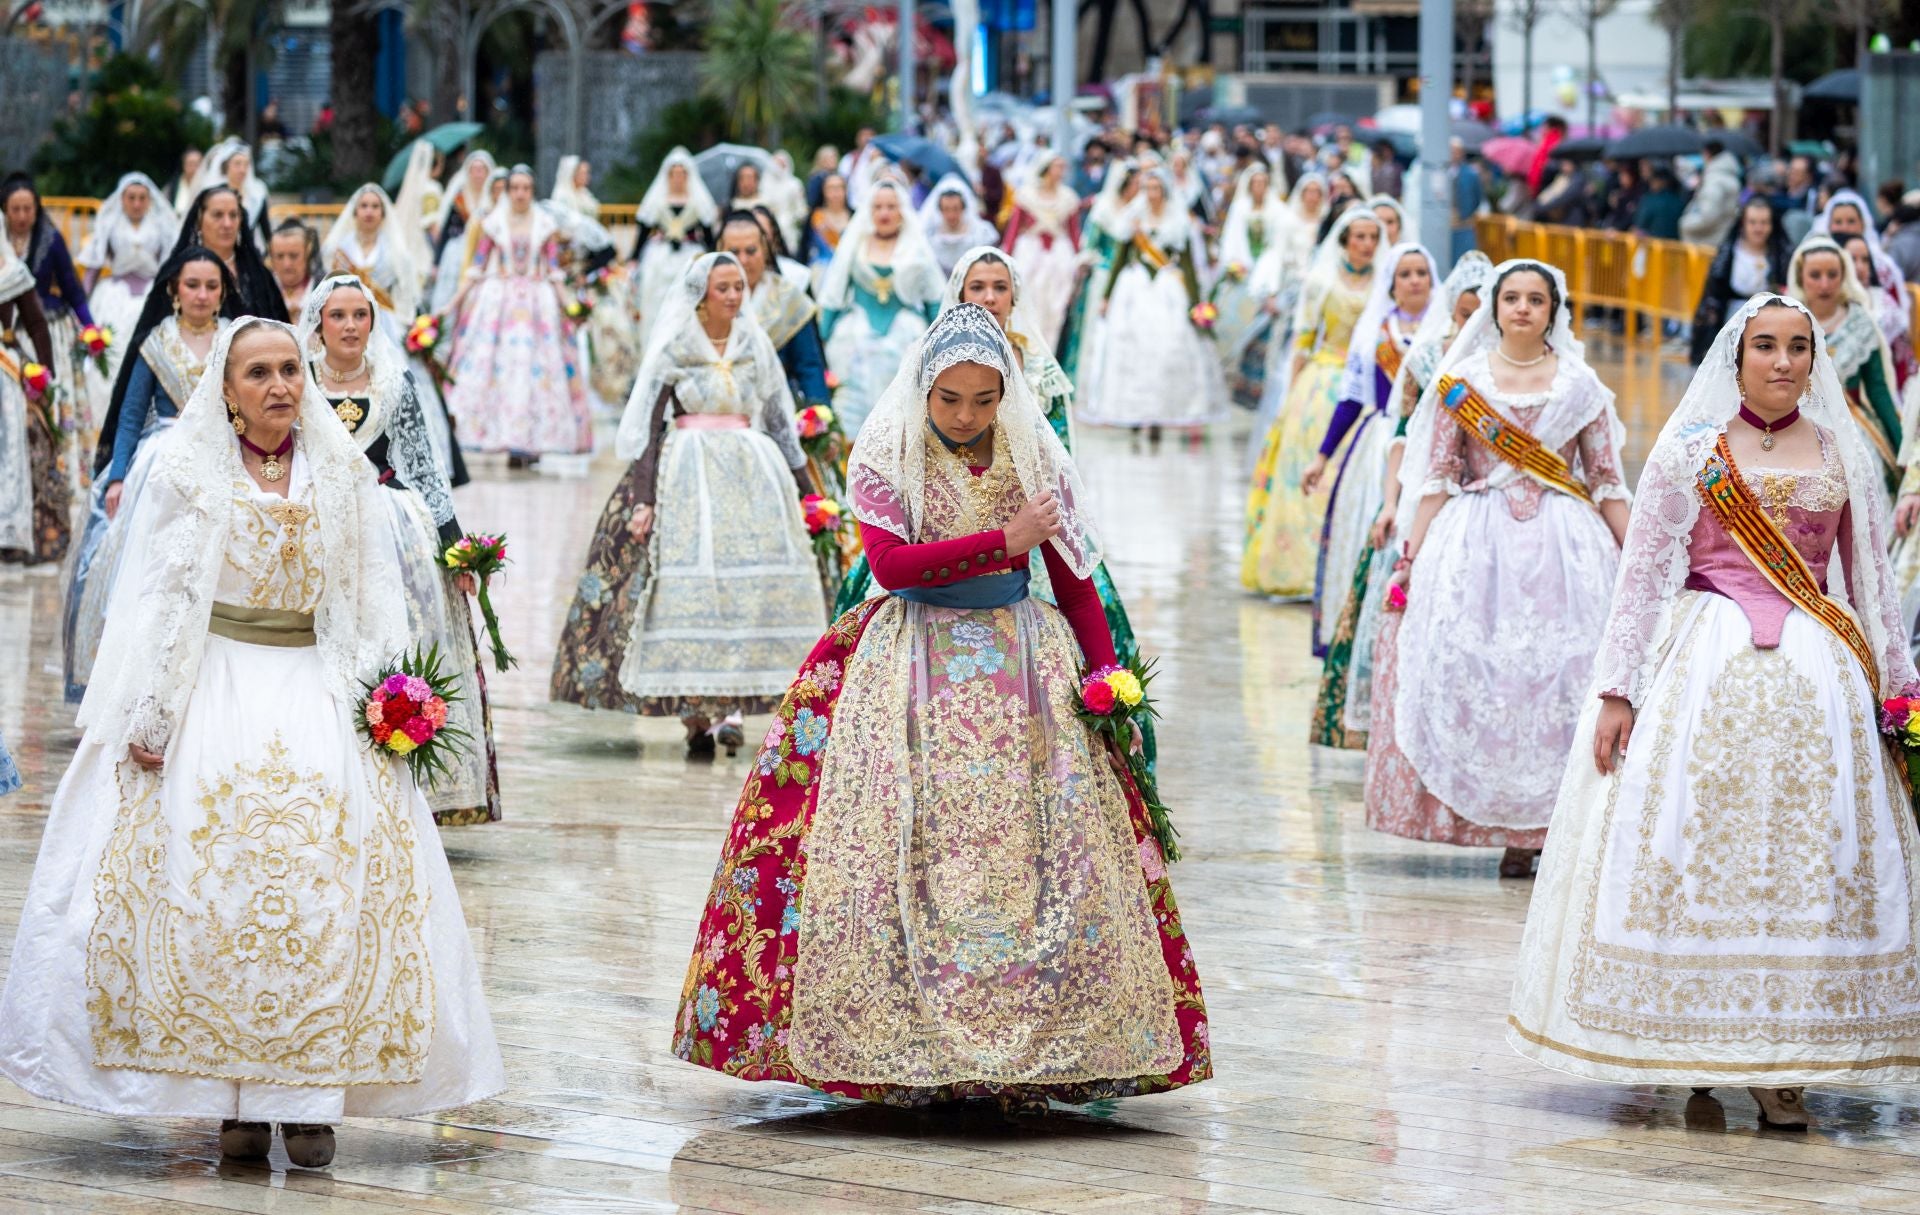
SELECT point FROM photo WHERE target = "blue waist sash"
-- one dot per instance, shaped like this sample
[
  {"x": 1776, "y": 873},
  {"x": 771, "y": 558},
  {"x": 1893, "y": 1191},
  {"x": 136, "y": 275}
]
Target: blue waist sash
[{"x": 987, "y": 591}]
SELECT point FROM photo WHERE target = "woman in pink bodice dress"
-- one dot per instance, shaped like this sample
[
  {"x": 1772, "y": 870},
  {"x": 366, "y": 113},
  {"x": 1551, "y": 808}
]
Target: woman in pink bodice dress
[{"x": 1728, "y": 897}]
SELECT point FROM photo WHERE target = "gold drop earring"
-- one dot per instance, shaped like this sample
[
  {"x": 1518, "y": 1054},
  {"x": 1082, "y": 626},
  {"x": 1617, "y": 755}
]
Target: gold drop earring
[{"x": 233, "y": 416}]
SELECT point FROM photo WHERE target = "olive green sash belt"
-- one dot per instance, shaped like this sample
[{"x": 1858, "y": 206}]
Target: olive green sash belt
[{"x": 261, "y": 626}]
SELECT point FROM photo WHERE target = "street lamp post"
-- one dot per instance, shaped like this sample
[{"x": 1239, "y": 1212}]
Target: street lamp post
[
  {"x": 1066, "y": 71},
  {"x": 1436, "y": 129},
  {"x": 906, "y": 64}
]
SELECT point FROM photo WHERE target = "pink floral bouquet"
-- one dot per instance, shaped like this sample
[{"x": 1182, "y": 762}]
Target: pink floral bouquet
[
  {"x": 1112, "y": 701},
  {"x": 483, "y": 557},
  {"x": 404, "y": 715},
  {"x": 1900, "y": 722},
  {"x": 1203, "y": 315},
  {"x": 824, "y": 518}
]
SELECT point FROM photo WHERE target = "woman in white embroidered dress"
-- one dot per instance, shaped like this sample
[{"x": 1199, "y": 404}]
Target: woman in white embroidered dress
[
  {"x": 364, "y": 378},
  {"x": 1478, "y": 684},
  {"x": 701, "y": 590},
  {"x": 230, "y": 163},
  {"x": 1256, "y": 221},
  {"x": 1043, "y": 237},
  {"x": 456, "y": 231},
  {"x": 677, "y": 218},
  {"x": 1822, "y": 276},
  {"x": 1731, "y": 898},
  {"x": 240, "y": 911},
  {"x": 132, "y": 235},
  {"x": 517, "y": 386},
  {"x": 1157, "y": 365}
]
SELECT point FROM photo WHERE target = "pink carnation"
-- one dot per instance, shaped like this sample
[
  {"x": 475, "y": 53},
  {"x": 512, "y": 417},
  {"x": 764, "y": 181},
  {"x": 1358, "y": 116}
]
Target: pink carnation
[
  {"x": 394, "y": 684},
  {"x": 1098, "y": 696},
  {"x": 418, "y": 689},
  {"x": 435, "y": 711},
  {"x": 1152, "y": 865},
  {"x": 419, "y": 729},
  {"x": 375, "y": 713}
]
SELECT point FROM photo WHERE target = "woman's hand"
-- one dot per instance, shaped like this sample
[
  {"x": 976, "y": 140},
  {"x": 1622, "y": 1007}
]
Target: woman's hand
[
  {"x": 641, "y": 525},
  {"x": 150, "y": 760},
  {"x": 1905, "y": 514},
  {"x": 1310, "y": 479},
  {"x": 1611, "y": 734},
  {"x": 1382, "y": 532},
  {"x": 465, "y": 584},
  {"x": 112, "y": 499},
  {"x": 1037, "y": 523}
]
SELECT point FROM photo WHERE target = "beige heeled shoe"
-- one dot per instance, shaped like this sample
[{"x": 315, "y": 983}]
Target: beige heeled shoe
[{"x": 1781, "y": 1108}]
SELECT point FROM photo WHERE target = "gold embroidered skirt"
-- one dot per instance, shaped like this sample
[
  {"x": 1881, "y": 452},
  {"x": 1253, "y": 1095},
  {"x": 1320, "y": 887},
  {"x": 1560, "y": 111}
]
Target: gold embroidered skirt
[
  {"x": 266, "y": 928},
  {"x": 1736, "y": 904}
]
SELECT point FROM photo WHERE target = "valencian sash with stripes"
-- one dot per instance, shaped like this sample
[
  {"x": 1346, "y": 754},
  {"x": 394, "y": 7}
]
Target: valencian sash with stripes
[
  {"x": 1150, "y": 253},
  {"x": 1387, "y": 355},
  {"x": 1774, "y": 555},
  {"x": 1507, "y": 439}
]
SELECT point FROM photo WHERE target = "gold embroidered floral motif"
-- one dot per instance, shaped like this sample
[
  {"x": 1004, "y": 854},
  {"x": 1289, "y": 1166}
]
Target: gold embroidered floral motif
[
  {"x": 1759, "y": 860},
  {"x": 252, "y": 953},
  {"x": 974, "y": 903},
  {"x": 276, "y": 545}
]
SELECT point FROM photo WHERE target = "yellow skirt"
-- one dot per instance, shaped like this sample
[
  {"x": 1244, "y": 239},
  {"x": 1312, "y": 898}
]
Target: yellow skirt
[{"x": 1283, "y": 524}]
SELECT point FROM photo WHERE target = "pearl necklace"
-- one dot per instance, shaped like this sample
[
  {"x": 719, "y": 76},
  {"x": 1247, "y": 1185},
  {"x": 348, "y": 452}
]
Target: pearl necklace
[
  {"x": 343, "y": 377},
  {"x": 1513, "y": 362}
]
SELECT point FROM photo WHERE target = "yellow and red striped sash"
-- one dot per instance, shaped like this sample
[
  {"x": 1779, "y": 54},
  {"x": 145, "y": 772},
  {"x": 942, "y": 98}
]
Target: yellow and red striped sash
[
  {"x": 1387, "y": 356},
  {"x": 1774, "y": 556},
  {"x": 11, "y": 366},
  {"x": 1507, "y": 439}
]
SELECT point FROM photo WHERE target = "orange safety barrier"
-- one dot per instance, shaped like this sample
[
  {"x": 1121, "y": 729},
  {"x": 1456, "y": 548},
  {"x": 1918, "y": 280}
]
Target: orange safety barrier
[{"x": 1641, "y": 275}]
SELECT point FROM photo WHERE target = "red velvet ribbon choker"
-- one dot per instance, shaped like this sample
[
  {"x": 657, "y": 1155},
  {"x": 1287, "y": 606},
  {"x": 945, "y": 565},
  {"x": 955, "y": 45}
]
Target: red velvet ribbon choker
[
  {"x": 270, "y": 467},
  {"x": 1765, "y": 427}
]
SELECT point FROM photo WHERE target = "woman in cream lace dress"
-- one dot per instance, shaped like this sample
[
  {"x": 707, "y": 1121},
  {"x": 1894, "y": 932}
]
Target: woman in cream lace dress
[{"x": 240, "y": 910}]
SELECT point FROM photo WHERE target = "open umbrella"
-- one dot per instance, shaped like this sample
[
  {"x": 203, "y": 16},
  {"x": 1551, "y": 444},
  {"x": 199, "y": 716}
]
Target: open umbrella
[
  {"x": 1326, "y": 120},
  {"x": 1652, "y": 143},
  {"x": 1231, "y": 115},
  {"x": 1741, "y": 144},
  {"x": 1587, "y": 147},
  {"x": 444, "y": 138},
  {"x": 1471, "y": 134},
  {"x": 920, "y": 151},
  {"x": 1843, "y": 85},
  {"x": 1510, "y": 153},
  {"x": 720, "y": 162},
  {"x": 1405, "y": 144}
]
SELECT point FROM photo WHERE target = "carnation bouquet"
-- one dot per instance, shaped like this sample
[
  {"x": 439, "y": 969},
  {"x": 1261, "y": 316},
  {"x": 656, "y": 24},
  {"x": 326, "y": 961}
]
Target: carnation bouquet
[
  {"x": 1900, "y": 722},
  {"x": 44, "y": 395},
  {"x": 1203, "y": 315},
  {"x": 93, "y": 343},
  {"x": 404, "y": 714},
  {"x": 423, "y": 340},
  {"x": 483, "y": 557},
  {"x": 1113, "y": 700},
  {"x": 824, "y": 519}
]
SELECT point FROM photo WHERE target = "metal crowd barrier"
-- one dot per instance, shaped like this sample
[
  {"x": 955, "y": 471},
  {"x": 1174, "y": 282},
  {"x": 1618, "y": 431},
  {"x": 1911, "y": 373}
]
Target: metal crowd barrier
[{"x": 1645, "y": 277}]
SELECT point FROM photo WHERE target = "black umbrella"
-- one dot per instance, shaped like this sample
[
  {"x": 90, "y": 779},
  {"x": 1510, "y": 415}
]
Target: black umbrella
[
  {"x": 1741, "y": 144},
  {"x": 1587, "y": 147},
  {"x": 1653, "y": 143},
  {"x": 923, "y": 153},
  {"x": 1843, "y": 85},
  {"x": 1405, "y": 144},
  {"x": 1471, "y": 134}
]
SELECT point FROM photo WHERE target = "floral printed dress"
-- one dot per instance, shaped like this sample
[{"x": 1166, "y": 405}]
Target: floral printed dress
[{"x": 939, "y": 883}]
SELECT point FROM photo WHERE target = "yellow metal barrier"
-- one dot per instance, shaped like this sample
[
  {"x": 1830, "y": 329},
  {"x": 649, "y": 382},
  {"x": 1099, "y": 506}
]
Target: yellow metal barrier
[{"x": 1641, "y": 275}]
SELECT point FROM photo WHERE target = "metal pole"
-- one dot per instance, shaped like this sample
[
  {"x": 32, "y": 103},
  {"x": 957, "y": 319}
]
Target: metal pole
[
  {"x": 907, "y": 26},
  {"x": 1066, "y": 72},
  {"x": 1436, "y": 128}
]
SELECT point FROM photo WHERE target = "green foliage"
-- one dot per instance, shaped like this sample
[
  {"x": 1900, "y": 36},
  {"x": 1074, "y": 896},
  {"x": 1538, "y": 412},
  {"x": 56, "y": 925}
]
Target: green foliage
[
  {"x": 133, "y": 120},
  {"x": 759, "y": 62},
  {"x": 1731, "y": 39},
  {"x": 846, "y": 112},
  {"x": 305, "y": 166},
  {"x": 696, "y": 123}
]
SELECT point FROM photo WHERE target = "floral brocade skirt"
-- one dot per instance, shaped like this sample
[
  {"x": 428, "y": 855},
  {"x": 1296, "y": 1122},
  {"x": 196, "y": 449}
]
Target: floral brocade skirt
[
  {"x": 939, "y": 884},
  {"x": 1284, "y": 525}
]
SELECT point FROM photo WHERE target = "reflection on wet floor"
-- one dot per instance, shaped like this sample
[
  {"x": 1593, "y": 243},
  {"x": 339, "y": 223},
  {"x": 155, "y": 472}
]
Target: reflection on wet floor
[{"x": 1357, "y": 984}]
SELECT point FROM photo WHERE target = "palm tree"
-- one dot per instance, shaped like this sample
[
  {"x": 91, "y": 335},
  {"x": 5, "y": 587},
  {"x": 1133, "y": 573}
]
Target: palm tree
[
  {"x": 238, "y": 33},
  {"x": 1588, "y": 14},
  {"x": 354, "y": 30},
  {"x": 759, "y": 63}
]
